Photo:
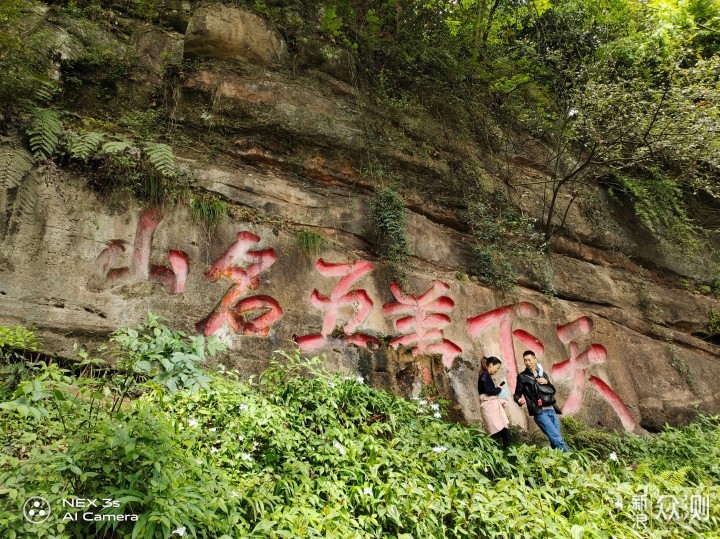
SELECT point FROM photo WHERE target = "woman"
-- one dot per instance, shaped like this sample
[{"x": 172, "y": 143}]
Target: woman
[{"x": 492, "y": 401}]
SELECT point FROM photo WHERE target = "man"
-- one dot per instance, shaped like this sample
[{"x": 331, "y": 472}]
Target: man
[{"x": 527, "y": 393}]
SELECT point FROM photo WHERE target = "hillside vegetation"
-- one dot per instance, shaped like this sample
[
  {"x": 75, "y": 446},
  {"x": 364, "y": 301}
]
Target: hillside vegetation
[{"x": 301, "y": 452}]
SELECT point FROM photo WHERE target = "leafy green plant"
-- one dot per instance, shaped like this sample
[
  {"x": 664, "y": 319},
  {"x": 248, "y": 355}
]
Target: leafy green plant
[
  {"x": 23, "y": 60},
  {"x": 539, "y": 268},
  {"x": 310, "y": 242},
  {"x": 387, "y": 214},
  {"x": 715, "y": 286},
  {"x": 461, "y": 276},
  {"x": 140, "y": 167},
  {"x": 713, "y": 325},
  {"x": 505, "y": 238},
  {"x": 18, "y": 337},
  {"x": 170, "y": 358},
  {"x": 18, "y": 348},
  {"x": 85, "y": 145},
  {"x": 161, "y": 157},
  {"x": 14, "y": 166}
]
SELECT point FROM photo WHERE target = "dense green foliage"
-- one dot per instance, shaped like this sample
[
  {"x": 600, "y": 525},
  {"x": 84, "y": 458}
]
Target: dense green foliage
[
  {"x": 618, "y": 91},
  {"x": 304, "y": 453}
]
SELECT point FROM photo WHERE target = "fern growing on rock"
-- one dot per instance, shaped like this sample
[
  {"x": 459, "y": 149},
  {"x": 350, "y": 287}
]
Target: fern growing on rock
[
  {"x": 14, "y": 165},
  {"x": 15, "y": 199},
  {"x": 115, "y": 147},
  {"x": 161, "y": 157},
  {"x": 84, "y": 145},
  {"x": 44, "y": 132}
]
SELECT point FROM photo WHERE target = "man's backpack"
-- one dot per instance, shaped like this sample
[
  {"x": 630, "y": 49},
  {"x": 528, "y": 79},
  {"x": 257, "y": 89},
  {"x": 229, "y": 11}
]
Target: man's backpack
[{"x": 545, "y": 393}]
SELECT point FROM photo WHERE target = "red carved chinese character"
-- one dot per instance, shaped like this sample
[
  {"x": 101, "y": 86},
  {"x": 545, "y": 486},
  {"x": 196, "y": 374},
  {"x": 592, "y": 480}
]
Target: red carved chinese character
[
  {"x": 231, "y": 308},
  {"x": 576, "y": 365},
  {"x": 173, "y": 279},
  {"x": 425, "y": 323},
  {"x": 504, "y": 317},
  {"x": 341, "y": 296}
]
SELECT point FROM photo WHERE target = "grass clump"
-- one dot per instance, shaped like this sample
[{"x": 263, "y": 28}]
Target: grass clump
[
  {"x": 207, "y": 210},
  {"x": 309, "y": 242}
]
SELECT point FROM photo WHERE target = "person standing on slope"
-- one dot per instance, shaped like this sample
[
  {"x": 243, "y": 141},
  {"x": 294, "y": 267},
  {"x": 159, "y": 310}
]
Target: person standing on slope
[
  {"x": 533, "y": 388},
  {"x": 492, "y": 401}
]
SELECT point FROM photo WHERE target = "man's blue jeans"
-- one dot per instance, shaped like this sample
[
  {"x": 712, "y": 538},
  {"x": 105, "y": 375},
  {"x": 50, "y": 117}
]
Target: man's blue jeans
[{"x": 548, "y": 422}]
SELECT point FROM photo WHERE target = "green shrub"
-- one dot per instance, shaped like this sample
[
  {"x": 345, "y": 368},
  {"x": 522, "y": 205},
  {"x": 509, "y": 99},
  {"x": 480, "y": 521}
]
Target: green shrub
[
  {"x": 18, "y": 347},
  {"x": 713, "y": 325},
  {"x": 494, "y": 269},
  {"x": 505, "y": 237},
  {"x": 387, "y": 214},
  {"x": 170, "y": 358}
]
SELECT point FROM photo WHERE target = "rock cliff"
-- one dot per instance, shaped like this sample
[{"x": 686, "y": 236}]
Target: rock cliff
[{"x": 283, "y": 138}]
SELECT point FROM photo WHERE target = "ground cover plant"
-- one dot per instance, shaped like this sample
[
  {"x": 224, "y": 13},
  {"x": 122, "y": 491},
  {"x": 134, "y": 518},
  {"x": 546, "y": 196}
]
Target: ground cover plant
[{"x": 300, "y": 452}]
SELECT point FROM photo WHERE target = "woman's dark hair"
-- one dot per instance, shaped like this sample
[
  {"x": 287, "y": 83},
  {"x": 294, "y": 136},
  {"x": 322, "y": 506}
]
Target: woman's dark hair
[{"x": 487, "y": 361}]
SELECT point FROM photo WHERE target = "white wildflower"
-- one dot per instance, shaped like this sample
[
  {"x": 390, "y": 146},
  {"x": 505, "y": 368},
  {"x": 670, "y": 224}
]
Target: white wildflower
[
  {"x": 435, "y": 407},
  {"x": 241, "y": 437},
  {"x": 439, "y": 449},
  {"x": 213, "y": 429},
  {"x": 367, "y": 491},
  {"x": 256, "y": 445},
  {"x": 431, "y": 488},
  {"x": 573, "y": 112},
  {"x": 619, "y": 504},
  {"x": 193, "y": 422},
  {"x": 331, "y": 384},
  {"x": 360, "y": 379},
  {"x": 438, "y": 415},
  {"x": 244, "y": 407},
  {"x": 422, "y": 402},
  {"x": 613, "y": 456},
  {"x": 179, "y": 531},
  {"x": 233, "y": 494},
  {"x": 214, "y": 450},
  {"x": 246, "y": 456},
  {"x": 339, "y": 447}
]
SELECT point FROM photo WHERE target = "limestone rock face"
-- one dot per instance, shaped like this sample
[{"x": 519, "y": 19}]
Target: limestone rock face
[{"x": 218, "y": 31}]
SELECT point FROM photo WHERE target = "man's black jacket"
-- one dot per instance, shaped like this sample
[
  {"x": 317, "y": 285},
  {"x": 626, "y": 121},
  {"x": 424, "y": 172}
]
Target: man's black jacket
[{"x": 526, "y": 388}]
